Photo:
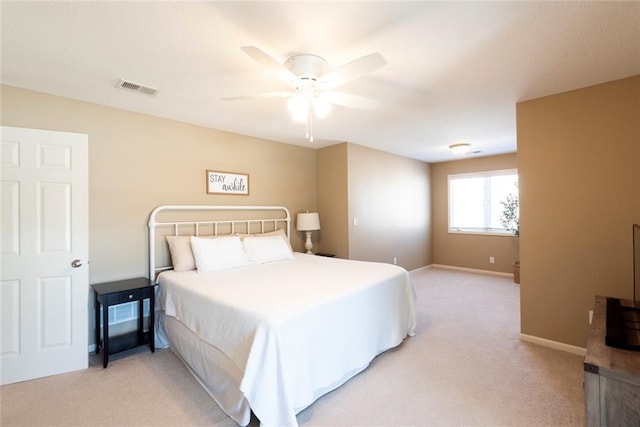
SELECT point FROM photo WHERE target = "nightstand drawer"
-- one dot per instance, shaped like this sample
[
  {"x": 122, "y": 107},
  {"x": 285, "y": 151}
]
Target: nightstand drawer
[{"x": 127, "y": 296}]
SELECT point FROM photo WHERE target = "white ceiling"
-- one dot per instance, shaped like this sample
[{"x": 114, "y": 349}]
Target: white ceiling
[{"x": 454, "y": 72}]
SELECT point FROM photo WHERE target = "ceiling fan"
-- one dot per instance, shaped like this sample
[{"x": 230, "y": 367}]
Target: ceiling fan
[{"x": 311, "y": 81}]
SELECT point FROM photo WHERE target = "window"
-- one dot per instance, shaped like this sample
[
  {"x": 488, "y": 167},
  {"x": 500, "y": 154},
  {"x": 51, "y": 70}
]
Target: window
[{"x": 475, "y": 201}]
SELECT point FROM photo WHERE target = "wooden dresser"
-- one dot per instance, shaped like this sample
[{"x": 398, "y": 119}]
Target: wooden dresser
[{"x": 611, "y": 377}]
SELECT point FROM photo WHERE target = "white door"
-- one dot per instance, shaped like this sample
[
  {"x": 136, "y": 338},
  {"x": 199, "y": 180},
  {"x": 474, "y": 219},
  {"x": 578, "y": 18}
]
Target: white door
[{"x": 44, "y": 282}]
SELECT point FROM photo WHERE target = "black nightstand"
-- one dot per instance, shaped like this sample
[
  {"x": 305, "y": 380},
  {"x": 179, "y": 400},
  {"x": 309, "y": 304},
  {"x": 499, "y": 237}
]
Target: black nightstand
[{"x": 120, "y": 292}]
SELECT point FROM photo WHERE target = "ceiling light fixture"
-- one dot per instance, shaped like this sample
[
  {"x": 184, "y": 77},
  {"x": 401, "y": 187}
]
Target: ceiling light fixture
[
  {"x": 313, "y": 81},
  {"x": 307, "y": 101},
  {"x": 460, "y": 148}
]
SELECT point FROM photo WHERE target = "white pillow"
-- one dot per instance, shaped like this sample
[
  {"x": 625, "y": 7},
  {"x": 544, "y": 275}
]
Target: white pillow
[
  {"x": 181, "y": 253},
  {"x": 218, "y": 254},
  {"x": 279, "y": 232},
  {"x": 265, "y": 249}
]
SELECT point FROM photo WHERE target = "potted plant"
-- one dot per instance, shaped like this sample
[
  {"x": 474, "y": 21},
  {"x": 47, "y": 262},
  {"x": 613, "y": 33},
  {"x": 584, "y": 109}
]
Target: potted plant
[{"x": 510, "y": 219}]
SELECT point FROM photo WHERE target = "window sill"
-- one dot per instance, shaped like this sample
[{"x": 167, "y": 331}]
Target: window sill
[{"x": 483, "y": 233}]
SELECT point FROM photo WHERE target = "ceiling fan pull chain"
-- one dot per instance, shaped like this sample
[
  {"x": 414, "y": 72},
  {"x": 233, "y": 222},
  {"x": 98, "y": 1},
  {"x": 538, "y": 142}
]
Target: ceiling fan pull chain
[
  {"x": 310, "y": 125},
  {"x": 306, "y": 129}
]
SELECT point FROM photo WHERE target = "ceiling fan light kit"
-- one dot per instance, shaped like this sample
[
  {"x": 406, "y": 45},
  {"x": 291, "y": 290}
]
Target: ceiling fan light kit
[
  {"x": 305, "y": 99},
  {"x": 321, "y": 106},
  {"x": 298, "y": 106},
  {"x": 311, "y": 78}
]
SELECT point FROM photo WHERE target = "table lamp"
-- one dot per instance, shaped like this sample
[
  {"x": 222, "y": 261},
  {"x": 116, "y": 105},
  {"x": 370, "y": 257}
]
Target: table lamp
[{"x": 308, "y": 222}]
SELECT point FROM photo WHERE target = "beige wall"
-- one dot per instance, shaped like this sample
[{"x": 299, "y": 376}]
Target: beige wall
[
  {"x": 468, "y": 250},
  {"x": 137, "y": 162},
  {"x": 333, "y": 200},
  {"x": 579, "y": 165},
  {"x": 390, "y": 197}
]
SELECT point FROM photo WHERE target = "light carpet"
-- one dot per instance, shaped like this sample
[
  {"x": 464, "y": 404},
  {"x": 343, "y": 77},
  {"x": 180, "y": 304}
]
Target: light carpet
[{"x": 464, "y": 367}]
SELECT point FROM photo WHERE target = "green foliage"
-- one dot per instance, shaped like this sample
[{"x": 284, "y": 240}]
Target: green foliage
[{"x": 510, "y": 218}]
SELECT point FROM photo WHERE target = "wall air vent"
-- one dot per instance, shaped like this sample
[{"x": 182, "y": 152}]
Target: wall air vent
[{"x": 135, "y": 87}]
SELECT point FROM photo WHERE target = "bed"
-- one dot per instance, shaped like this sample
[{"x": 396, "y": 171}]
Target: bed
[{"x": 262, "y": 328}]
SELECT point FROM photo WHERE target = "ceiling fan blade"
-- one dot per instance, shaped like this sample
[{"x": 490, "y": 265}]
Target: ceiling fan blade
[
  {"x": 271, "y": 64},
  {"x": 351, "y": 101},
  {"x": 260, "y": 56},
  {"x": 259, "y": 95},
  {"x": 354, "y": 69}
]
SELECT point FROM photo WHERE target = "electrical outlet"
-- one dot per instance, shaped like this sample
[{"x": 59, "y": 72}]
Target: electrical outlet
[
  {"x": 492, "y": 260},
  {"x": 395, "y": 260}
]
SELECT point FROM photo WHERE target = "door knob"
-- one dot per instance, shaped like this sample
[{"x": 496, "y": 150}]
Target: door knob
[{"x": 76, "y": 263}]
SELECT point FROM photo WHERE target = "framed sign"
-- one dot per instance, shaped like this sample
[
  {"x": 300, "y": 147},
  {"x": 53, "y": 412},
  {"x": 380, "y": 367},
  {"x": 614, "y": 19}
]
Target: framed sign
[{"x": 227, "y": 183}]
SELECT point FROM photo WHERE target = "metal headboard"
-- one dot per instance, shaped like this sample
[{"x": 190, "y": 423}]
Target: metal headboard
[{"x": 278, "y": 216}]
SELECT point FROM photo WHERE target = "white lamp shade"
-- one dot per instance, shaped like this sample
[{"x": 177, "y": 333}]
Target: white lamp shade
[{"x": 308, "y": 221}]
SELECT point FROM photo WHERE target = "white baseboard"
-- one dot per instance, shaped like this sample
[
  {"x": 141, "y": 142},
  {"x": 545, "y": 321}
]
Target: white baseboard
[
  {"x": 523, "y": 337},
  {"x": 471, "y": 270},
  {"x": 553, "y": 344},
  {"x": 415, "y": 270}
]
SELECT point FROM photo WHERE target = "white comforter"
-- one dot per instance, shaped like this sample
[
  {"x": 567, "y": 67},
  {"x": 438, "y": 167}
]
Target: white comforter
[{"x": 297, "y": 329}]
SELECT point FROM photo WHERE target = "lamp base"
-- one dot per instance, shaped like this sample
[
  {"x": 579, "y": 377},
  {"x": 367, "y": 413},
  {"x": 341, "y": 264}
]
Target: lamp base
[{"x": 308, "y": 245}]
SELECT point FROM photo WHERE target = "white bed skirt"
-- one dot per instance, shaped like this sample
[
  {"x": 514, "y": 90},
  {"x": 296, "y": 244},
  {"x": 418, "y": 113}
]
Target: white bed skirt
[{"x": 217, "y": 374}]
